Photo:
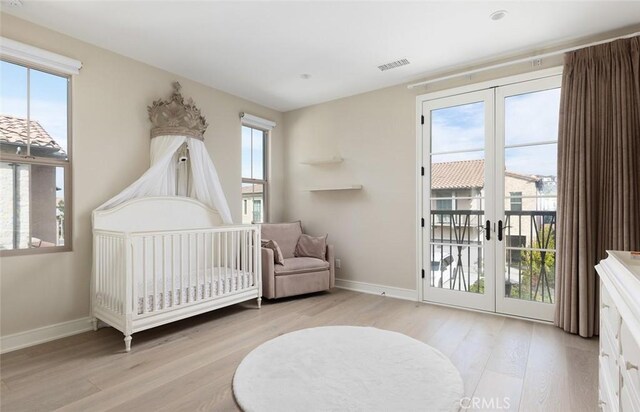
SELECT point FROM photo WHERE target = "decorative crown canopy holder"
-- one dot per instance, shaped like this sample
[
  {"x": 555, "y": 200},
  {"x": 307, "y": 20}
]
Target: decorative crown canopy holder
[{"x": 176, "y": 117}]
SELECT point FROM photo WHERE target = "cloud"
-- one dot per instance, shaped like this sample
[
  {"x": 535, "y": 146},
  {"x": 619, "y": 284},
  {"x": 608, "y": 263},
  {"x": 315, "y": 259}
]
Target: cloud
[
  {"x": 532, "y": 117},
  {"x": 457, "y": 128}
]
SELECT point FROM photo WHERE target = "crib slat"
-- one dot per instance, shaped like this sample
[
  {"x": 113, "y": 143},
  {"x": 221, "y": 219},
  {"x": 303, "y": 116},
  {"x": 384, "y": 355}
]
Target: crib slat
[
  {"x": 144, "y": 274},
  {"x": 226, "y": 262},
  {"x": 110, "y": 275},
  {"x": 233, "y": 258},
  {"x": 154, "y": 303},
  {"x": 243, "y": 255},
  {"x": 250, "y": 267},
  {"x": 210, "y": 254},
  {"x": 197, "y": 272},
  {"x": 103, "y": 269},
  {"x": 164, "y": 273},
  {"x": 181, "y": 270},
  {"x": 173, "y": 272},
  {"x": 119, "y": 274},
  {"x": 188, "y": 255},
  {"x": 238, "y": 255}
]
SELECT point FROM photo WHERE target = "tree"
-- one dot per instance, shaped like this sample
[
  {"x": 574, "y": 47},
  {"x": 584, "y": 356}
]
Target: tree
[{"x": 538, "y": 267}]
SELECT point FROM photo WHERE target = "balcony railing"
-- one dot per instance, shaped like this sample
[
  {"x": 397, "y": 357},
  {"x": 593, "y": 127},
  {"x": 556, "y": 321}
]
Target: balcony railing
[{"x": 528, "y": 240}]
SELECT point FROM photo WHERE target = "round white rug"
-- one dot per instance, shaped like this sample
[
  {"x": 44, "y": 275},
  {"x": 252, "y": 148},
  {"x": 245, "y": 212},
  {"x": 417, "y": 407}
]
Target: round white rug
[{"x": 346, "y": 368}]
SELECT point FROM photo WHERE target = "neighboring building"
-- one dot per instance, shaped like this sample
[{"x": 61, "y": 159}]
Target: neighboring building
[
  {"x": 252, "y": 204},
  {"x": 458, "y": 216},
  {"x": 28, "y": 203},
  {"x": 459, "y": 186}
]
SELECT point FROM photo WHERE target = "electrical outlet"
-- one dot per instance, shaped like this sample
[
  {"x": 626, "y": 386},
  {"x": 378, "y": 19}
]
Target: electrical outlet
[{"x": 338, "y": 263}]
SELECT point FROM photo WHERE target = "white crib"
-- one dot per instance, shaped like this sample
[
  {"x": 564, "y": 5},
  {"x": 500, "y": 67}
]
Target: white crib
[{"x": 160, "y": 259}]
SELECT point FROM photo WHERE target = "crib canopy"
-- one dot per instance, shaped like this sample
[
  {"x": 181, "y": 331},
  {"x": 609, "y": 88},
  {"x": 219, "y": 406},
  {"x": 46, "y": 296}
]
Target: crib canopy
[{"x": 180, "y": 163}]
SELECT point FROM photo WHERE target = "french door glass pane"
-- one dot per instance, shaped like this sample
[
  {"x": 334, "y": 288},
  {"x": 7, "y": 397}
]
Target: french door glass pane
[
  {"x": 457, "y": 128},
  {"x": 531, "y": 161},
  {"x": 530, "y": 188},
  {"x": 456, "y": 220},
  {"x": 532, "y": 117}
]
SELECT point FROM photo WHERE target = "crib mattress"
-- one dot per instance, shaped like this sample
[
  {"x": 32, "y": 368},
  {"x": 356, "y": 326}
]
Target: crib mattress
[{"x": 209, "y": 284}]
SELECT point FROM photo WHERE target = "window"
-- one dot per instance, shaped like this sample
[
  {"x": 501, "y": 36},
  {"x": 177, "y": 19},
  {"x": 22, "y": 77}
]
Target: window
[
  {"x": 516, "y": 201},
  {"x": 444, "y": 200},
  {"x": 35, "y": 160},
  {"x": 254, "y": 175}
]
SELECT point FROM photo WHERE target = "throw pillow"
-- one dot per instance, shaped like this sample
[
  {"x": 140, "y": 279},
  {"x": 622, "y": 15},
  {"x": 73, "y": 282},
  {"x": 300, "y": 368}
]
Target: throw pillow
[
  {"x": 310, "y": 246},
  {"x": 277, "y": 253}
]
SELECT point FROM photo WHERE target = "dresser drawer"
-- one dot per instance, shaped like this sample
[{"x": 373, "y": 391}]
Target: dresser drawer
[
  {"x": 609, "y": 361},
  {"x": 608, "y": 401},
  {"x": 630, "y": 360},
  {"x": 609, "y": 312},
  {"x": 629, "y": 401}
]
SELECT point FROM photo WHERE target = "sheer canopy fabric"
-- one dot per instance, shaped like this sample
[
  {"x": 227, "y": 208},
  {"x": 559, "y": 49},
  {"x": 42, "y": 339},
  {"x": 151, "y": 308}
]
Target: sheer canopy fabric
[
  {"x": 598, "y": 174},
  {"x": 161, "y": 179}
]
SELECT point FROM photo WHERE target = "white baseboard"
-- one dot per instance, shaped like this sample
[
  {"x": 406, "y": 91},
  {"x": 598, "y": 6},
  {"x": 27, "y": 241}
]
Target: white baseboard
[
  {"x": 372, "y": 288},
  {"x": 44, "y": 334}
]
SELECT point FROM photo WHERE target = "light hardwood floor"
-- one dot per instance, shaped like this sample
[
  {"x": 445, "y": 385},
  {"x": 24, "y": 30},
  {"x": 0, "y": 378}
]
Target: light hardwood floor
[{"x": 189, "y": 365}]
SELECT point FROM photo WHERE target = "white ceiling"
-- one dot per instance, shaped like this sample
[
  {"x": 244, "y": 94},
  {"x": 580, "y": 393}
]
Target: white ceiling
[{"x": 258, "y": 50}]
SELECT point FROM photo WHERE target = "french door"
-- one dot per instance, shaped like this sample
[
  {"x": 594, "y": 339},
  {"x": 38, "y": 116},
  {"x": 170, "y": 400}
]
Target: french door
[{"x": 489, "y": 198}]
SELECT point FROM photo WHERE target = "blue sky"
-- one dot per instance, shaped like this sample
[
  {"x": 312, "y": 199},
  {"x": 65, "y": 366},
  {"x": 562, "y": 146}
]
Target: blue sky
[
  {"x": 529, "y": 118},
  {"x": 252, "y": 153},
  {"x": 48, "y": 99}
]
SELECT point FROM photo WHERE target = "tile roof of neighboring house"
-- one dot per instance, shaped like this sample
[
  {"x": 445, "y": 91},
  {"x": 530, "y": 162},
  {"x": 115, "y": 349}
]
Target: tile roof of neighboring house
[
  {"x": 465, "y": 174},
  {"x": 256, "y": 188},
  {"x": 457, "y": 175},
  {"x": 13, "y": 130}
]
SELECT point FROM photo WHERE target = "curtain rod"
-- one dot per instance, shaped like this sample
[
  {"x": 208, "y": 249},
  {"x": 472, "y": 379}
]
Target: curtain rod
[{"x": 520, "y": 60}]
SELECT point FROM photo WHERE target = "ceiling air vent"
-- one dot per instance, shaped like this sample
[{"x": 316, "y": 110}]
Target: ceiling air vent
[{"x": 393, "y": 65}]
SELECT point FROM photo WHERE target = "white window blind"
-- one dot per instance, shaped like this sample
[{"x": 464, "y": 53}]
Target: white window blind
[
  {"x": 256, "y": 122},
  {"x": 24, "y": 53}
]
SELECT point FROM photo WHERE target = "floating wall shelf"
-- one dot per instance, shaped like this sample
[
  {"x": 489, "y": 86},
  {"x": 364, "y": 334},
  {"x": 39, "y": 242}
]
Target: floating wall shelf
[
  {"x": 326, "y": 161},
  {"x": 333, "y": 188}
]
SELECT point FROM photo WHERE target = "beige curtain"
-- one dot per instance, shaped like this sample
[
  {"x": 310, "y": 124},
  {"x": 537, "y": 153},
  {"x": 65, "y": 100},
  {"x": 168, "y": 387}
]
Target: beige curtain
[{"x": 598, "y": 174}]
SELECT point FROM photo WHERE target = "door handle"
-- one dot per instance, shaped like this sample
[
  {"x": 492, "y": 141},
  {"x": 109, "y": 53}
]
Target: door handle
[
  {"x": 487, "y": 230},
  {"x": 500, "y": 230}
]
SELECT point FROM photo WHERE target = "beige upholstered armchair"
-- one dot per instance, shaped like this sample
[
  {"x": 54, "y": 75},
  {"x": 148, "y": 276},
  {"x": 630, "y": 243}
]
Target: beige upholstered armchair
[{"x": 297, "y": 275}]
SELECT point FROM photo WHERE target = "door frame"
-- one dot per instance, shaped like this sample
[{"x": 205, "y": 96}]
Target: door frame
[
  {"x": 478, "y": 301},
  {"x": 420, "y": 99},
  {"x": 516, "y": 307}
]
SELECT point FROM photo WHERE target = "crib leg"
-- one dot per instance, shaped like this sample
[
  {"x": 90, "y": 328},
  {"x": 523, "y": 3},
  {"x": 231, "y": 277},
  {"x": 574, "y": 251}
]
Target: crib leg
[
  {"x": 259, "y": 303},
  {"x": 94, "y": 324},
  {"x": 127, "y": 343}
]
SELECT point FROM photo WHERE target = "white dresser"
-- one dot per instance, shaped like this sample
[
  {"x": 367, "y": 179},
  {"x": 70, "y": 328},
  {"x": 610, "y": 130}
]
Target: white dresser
[{"x": 619, "y": 332}]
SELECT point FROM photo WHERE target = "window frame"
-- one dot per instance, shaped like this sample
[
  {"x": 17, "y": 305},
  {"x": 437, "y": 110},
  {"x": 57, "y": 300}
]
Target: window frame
[
  {"x": 265, "y": 172},
  {"x": 515, "y": 199},
  {"x": 66, "y": 165}
]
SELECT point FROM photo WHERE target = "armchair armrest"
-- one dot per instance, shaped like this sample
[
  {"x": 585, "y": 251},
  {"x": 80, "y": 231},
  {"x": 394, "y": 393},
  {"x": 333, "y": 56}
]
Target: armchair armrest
[
  {"x": 331, "y": 258},
  {"x": 268, "y": 275}
]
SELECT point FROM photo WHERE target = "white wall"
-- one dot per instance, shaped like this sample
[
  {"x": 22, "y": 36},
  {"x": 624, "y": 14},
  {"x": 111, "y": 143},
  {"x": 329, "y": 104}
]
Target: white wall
[
  {"x": 110, "y": 150},
  {"x": 374, "y": 230}
]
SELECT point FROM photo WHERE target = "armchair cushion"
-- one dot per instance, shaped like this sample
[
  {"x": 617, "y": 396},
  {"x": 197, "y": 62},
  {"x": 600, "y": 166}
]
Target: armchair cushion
[
  {"x": 301, "y": 265},
  {"x": 277, "y": 253},
  {"x": 285, "y": 234},
  {"x": 310, "y": 246}
]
